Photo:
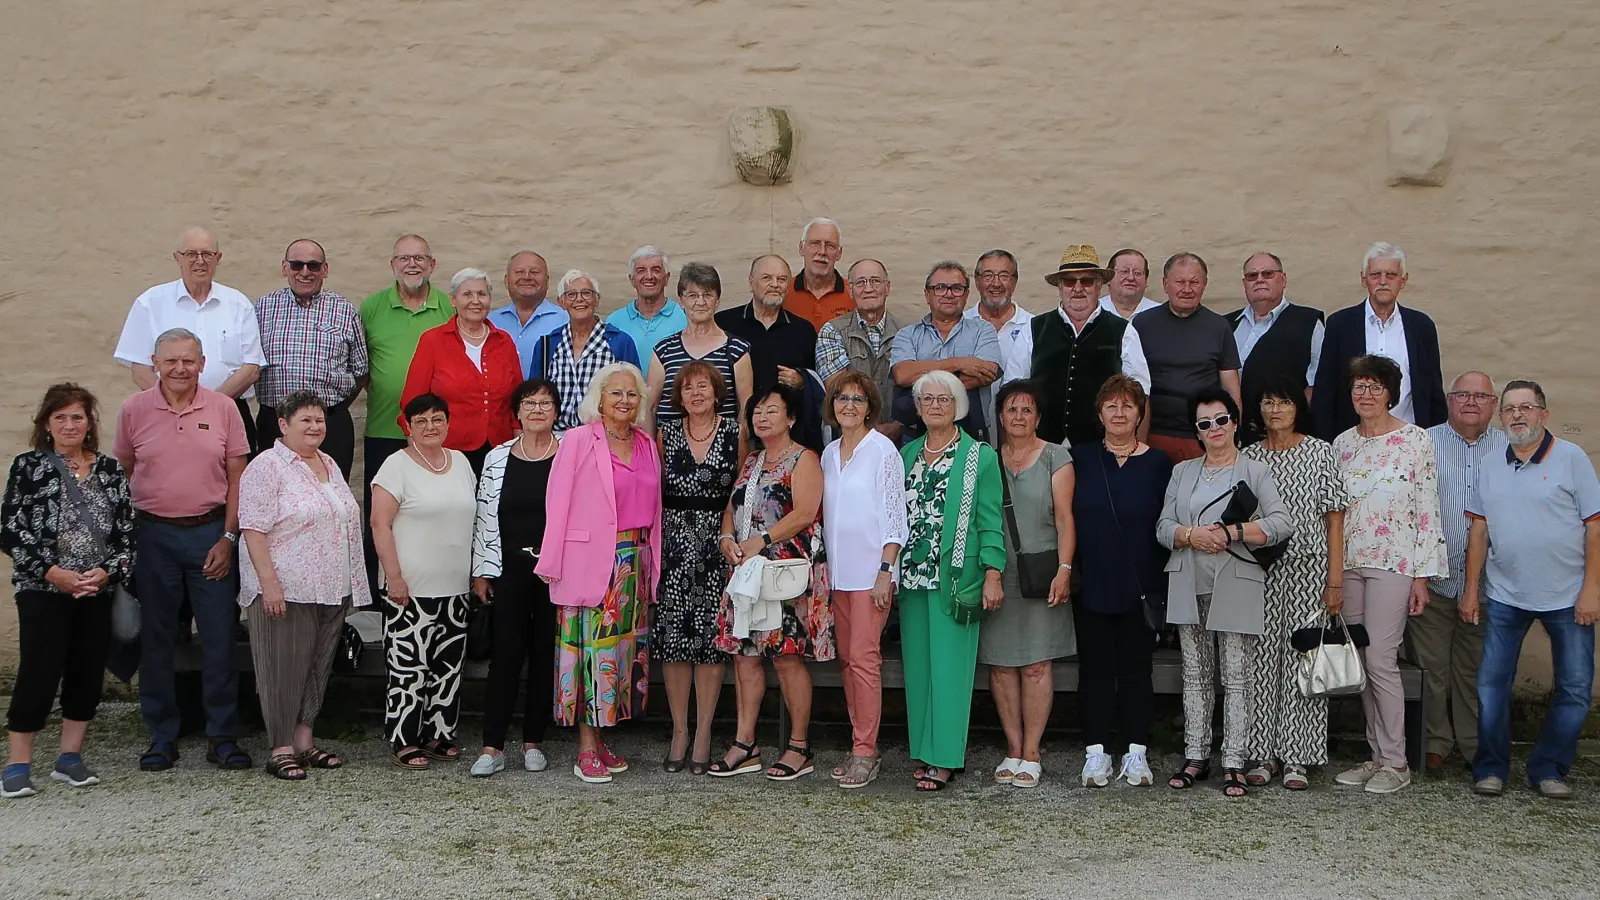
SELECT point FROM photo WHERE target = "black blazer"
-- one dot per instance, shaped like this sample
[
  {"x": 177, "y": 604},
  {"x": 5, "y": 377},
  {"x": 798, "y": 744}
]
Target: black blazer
[{"x": 1345, "y": 339}]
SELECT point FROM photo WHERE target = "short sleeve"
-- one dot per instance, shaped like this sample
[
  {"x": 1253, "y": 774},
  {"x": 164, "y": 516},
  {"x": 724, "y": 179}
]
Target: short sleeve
[
  {"x": 1056, "y": 456},
  {"x": 122, "y": 446},
  {"x": 1585, "y": 485},
  {"x": 137, "y": 343},
  {"x": 905, "y": 349},
  {"x": 1230, "y": 346},
  {"x": 392, "y": 476},
  {"x": 259, "y": 489},
  {"x": 1334, "y": 497}
]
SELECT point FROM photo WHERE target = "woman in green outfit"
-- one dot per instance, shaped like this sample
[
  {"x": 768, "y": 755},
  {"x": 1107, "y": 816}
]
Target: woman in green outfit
[{"x": 949, "y": 574}]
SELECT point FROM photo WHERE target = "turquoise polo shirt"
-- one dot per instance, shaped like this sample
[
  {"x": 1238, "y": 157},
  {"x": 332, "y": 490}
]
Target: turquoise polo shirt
[
  {"x": 648, "y": 332},
  {"x": 547, "y": 317}
]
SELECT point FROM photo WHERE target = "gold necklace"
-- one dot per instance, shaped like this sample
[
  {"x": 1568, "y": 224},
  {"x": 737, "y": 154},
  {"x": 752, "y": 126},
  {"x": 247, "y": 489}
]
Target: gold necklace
[
  {"x": 1117, "y": 454},
  {"x": 688, "y": 429},
  {"x": 617, "y": 437}
]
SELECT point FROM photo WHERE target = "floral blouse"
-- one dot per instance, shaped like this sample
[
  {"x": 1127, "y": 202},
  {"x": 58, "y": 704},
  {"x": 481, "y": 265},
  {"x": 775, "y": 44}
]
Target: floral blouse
[
  {"x": 1393, "y": 519},
  {"x": 313, "y": 530},
  {"x": 40, "y": 526},
  {"x": 926, "y": 487}
]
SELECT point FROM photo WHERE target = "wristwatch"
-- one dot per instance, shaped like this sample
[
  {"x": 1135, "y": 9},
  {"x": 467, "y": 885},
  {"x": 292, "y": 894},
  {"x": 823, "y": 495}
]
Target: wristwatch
[
  {"x": 885, "y": 567},
  {"x": 766, "y": 538},
  {"x": 231, "y": 537}
]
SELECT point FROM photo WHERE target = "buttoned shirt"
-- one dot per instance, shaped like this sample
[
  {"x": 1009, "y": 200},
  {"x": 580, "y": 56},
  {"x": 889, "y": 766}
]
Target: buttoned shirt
[
  {"x": 547, "y": 317},
  {"x": 1389, "y": 339},
  {"x": 318, "y": 346},
  {"x": 1144, "y": 304},
  {"x": 922, "y": 342},
  {"x": 1250, "y": 330},
  {"x": 180, "y": 457},
  {"x": 313, "y": 530},
  {"x": 790, "y": 341},
  {"x": 393, "y": 332},
  {"x": 1460, "y": 465},
  {"x": 831, "y": 355},
  {"x": 225, "y": 324},
  {"x": 1134, "y": 364},
  {"x": 648, "y": 331},
  {"x": 818, "y": 311},
  {"x": 1009, "y": 334}
]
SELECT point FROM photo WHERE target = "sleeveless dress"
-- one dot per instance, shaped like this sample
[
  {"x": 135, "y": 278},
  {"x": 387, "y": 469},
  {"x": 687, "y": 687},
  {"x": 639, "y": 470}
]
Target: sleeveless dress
[
  {"x": 1025, "y": 631},
  {"x": 693, "y": 572},
  {"x": 673, "y": 356}
]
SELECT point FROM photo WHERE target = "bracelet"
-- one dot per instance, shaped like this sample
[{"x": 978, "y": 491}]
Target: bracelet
[
  {"x": 727, "y": 537},
  {"x": 1335, "y": 587},
  {"x": 1067, "y": 566},
  {"x": 1188, "y": 530}
]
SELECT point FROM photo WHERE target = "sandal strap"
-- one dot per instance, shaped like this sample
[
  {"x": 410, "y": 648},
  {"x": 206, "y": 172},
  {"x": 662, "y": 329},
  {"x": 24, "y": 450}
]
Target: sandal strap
[{"x": 805, "y": 751}]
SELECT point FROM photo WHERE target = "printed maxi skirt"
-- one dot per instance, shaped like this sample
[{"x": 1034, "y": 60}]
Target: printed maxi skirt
[{"x": 603, "y": 651}]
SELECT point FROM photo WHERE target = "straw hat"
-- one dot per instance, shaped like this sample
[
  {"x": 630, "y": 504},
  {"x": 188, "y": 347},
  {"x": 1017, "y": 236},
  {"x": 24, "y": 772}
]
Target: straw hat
[{"x": 1079, "y": 258}]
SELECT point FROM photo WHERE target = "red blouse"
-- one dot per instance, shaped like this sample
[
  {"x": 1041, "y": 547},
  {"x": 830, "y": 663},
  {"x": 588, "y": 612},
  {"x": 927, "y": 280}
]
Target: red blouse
[{"x": 479, "y": 402}]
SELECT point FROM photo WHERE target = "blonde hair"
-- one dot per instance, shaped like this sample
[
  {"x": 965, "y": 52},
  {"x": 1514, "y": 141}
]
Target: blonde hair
[{"x": 589, "y": 408}]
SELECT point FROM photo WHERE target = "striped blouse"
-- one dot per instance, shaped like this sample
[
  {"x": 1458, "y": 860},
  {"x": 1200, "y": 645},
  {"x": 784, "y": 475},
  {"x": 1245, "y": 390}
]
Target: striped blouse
[{"x": 673, "y": 356}]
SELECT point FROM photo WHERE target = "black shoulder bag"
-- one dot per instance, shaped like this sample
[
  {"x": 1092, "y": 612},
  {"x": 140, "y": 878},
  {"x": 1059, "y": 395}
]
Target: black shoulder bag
[
  {"x": 1241, "y": 508},
  {"x": 1155, "y": 608},
  {"x": 1035, "y": 571}
]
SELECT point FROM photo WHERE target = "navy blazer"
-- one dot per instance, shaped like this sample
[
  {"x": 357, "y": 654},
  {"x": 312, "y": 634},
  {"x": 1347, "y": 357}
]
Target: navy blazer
[{"x": 1346, "y": 338}]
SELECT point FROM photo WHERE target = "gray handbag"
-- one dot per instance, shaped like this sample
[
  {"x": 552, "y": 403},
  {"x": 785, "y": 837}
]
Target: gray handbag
[{"x": 125, "y": 615}]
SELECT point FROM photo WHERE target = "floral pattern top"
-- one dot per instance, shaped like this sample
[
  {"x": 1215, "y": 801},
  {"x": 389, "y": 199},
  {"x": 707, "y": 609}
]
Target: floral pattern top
[
  {"x": 926, "y": 487},
  {"x": 40, "y": 526},
  {"x": 313, "y": 530},
  {"x": 1393, "y": 519}
]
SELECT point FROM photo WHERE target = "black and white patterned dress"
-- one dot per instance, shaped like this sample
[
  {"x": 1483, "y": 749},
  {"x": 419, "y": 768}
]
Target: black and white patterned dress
[
  {"x": 693, "y": 572},
  {"x": 1286, "y": 725}
]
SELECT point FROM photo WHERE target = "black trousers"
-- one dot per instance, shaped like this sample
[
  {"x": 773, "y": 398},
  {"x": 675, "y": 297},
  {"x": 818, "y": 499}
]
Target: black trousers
[
  {"x": 250, "y": 435},
  {"x": 374, "y": 450},
  {"x": 340, "y": 442},
  {"x": 62, "y": 643},
  {"x": 524, "y": 632},
  {"x": 1114, "y": 683}
]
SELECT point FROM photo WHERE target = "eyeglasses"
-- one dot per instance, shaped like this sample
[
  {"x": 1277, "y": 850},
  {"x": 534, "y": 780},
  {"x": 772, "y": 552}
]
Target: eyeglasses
[
  {"x": 430, "y": 422},
  {"x": 296, "y": 265},
  {"x": 1367, "y": 387},
  {"x": 536, "y": 406},
  {"x": 585, "y": 294},
  {"x": 1125, "y": 271},
  {"x": 1079, "y": 281},
  {"x": 864, "y": 283},
  {"x": 1474, "y": 396},
  {"x": 1526, "y": 409},
  {"x": 418, "y": 258},
  {"x": 829, "y": 246},
  {"x": 618, "y": 395},
  {"x": 1217, "y": 421},
  {"x": 1275, "y": 403},
  {"x": 953, "y": 290},
  {"x": 995, "y": 276},
  {"x": 1261, "y": 274},
  {"x": 202, "y": 255},
  {"x": 936, "y": 400},
  {"x": 697, "y": 296},
  {"x": 850, "y": 400}
]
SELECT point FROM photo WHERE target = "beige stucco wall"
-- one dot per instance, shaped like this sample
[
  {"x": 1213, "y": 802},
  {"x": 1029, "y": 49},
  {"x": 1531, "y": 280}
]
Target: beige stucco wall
[{"x": 930, "y": 129}]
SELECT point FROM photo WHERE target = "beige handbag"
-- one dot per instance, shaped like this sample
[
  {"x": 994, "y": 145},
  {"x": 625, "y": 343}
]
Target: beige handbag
[{"x": 1332, "y": 670}]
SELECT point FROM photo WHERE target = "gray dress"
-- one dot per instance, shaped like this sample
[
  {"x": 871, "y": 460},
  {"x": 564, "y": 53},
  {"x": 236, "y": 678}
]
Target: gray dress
[{"x": 1026, "y": 631}]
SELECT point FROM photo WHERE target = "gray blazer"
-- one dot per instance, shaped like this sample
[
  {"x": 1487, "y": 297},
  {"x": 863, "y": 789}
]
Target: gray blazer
[{"x": 1238, "y": 603}]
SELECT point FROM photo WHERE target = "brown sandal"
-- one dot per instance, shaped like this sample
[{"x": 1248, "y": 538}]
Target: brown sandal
[{"x": 285, "y": 767}]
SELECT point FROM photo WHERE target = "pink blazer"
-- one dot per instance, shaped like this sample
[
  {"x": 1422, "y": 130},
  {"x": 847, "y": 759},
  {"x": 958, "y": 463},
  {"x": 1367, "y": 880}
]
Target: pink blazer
[{"x": 580, "y": 547}]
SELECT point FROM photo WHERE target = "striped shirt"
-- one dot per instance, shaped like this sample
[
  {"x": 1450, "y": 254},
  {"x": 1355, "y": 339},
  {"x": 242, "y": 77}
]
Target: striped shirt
[
  {"x": 1460, "y": 466},
  {"x": 318, "y": 347},
  {"x": 673, "y": 356}
]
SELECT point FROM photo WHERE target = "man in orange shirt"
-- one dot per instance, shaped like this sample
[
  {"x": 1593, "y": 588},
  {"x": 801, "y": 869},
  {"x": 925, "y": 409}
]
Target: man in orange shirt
[{"x": 817, "y": 294}]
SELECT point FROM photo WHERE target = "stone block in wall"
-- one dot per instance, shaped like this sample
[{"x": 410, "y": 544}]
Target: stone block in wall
[
  {"x": 1419, "y": 145},
  {"x": 762, "y": 141}
]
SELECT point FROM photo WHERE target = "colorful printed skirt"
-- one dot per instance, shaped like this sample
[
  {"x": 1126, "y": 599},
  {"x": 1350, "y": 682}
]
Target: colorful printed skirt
[{"x": 602, "y": 652}]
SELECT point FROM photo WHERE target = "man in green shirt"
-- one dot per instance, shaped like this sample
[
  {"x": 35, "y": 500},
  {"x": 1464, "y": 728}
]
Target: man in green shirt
[{"x": 394, "y": 320}]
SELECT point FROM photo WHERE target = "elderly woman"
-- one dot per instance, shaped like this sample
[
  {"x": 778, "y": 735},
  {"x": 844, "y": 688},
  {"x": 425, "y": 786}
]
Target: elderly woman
[
  {"x": 1022, "y": 638},
  {"x": 699, "y": 462},
  {"x": 949, "y": 574},
  {"x": 67, "y": 524},
  {"x": 505, "y": 545},
  {"x": 1393, "y": 543},
  {"x": 776, "y": 512},
  {"x": 472, "y": 366},
  {"x": 1116, "y": 503},
  {"x": 570, "y": 356},
  {"x": 864, "y": 518},
  {"x": 1288, "y": 727},
  {"x": 300, "y": 571},
  {"x": 423, "y": 503},
  {"x": 1215, "y": 592},
  {"x": 600, "y": 555},
  {"x": 699, "y": 291}
]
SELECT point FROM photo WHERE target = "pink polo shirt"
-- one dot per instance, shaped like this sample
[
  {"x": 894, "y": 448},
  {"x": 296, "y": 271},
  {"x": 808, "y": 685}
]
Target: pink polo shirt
[{"x": 179, "y": 458}]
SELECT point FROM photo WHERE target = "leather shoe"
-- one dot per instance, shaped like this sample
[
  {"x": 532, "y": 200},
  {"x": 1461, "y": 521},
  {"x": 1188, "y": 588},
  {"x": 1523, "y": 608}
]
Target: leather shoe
[{"x": 1434, "y": 763}]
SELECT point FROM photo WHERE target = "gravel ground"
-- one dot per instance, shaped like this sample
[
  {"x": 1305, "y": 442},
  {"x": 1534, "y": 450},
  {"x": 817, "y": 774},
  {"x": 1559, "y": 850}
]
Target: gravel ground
[{"x": 373, "y": 831}]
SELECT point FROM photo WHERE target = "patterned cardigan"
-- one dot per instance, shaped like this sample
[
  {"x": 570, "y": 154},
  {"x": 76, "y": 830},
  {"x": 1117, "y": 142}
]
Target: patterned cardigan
[{"x": 32, "y": 507}]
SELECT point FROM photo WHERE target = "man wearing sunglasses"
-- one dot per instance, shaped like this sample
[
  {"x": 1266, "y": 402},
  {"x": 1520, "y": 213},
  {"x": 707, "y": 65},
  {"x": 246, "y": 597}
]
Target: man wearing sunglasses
[
  {"x": 1275, "y": 337},
  {"x": 313, "y": 342},
  {"x": 1190, "y": 348}
]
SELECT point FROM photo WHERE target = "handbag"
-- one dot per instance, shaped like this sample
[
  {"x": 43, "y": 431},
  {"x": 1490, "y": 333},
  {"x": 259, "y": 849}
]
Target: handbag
[
  {"x": 480, "y": 630},
  {"x": 1035, "y": 571},
  {"x": 1155, "y": 609},
  {"x": 125, "y": 615},
  {"x": 966, "y": 597},
  {"x": 1241, "y": 508},
  {"x": 781, "y": 579},
  {"x": 1332, "y": 670},
  {"x": 347, "y": 656}
]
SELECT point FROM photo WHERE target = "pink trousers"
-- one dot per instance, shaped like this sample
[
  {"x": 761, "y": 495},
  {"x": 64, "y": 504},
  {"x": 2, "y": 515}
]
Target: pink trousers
[{"x": 858, "y": 624}]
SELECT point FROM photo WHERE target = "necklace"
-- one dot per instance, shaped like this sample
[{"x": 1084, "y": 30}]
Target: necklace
[
  {"x": 688, "y": 429},
  {"x": 424, "y": 458},
  {"x": 1118, "y": 454},
  {"x": 777, "y": 457},
  {"x": 542, "y": 456},
  {"x": 473, "y": 338},
  {"x": 617, "y": 437},
  {"x": 928, "y": 449},
  {"x": 78, "y": 465},
  {"x": 1209, "y": 474}
]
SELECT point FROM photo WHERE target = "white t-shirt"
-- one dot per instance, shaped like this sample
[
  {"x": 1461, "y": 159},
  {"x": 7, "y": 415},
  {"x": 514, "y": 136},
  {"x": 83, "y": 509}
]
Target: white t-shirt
[
  {"x": 474, "y": 353},
  {"x": 1107, "y": 304},
  {"x": 863, "y": 509},
  {"x": 225, "y": 324},
  {"x": 433, "y": 529}
]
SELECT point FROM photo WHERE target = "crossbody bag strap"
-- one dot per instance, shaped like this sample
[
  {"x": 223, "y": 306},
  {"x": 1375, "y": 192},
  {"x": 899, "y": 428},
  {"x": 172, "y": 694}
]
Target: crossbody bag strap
[
  {"x": 74, "y": 491},
  {"x": 1111, "y": 501},
  {"x": 1010, "y": 509},
  {"x": 969, "y": 486}
]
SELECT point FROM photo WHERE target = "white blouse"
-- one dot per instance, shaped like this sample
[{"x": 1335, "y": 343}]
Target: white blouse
[{"x": 863, "y": 510}]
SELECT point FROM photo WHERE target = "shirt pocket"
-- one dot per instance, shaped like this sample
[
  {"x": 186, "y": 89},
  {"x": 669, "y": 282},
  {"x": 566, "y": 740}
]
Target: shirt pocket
[{"x": 577, "y": 534}]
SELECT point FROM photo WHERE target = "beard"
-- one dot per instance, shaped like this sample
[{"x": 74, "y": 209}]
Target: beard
[{"x": 413, "y": 282}]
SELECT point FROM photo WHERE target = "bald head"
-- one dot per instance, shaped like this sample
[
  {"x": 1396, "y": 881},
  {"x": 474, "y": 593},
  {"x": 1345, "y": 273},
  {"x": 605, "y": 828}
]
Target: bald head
[
  {"x": 1471, "y": 404},
  {"x": 769, "y": 280},
  {"x": 195, "y": 238}
]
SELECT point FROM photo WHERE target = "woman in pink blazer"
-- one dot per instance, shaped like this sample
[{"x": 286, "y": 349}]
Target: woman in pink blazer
[{"x": 600, "y": 557}]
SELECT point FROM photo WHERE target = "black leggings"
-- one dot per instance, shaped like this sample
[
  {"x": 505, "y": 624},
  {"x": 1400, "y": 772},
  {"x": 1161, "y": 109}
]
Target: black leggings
[
  {"x": 1114, "y": 684},
  {"x": 524, "y": 631},
  {"x": 63, "y": 643}
]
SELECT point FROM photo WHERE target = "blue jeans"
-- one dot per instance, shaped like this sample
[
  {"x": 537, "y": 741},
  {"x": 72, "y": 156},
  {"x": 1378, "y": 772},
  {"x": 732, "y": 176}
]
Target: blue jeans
[{"x": 1572, "y": 658}]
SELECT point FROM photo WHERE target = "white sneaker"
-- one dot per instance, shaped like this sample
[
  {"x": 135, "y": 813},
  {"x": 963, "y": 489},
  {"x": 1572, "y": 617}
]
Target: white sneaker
[
  {"x": 1097, "y": 768},
  {"x": 1388, "y": 780},
  {"x": 488, "y": 764},
  {"x": 1358, "y": 776},
  {"x": 1135, "y": 768},
  {"x": 533, "y": 760}
]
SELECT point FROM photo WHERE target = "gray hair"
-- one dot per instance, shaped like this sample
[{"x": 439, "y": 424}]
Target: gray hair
[
  {"x": 1457, "y": 380},
  {"x": 821, "y": 221},
  {"x": 573, "y": 275},
  {"x": 589, "y": 407},
  {"x": 513, "y": 258},
  {"x": 195, "y": 230},
  {"x": 178, "y": 334},
  {"x": 942, "y": 265},
  {"x": 943, "y": 379},
  {"x": 1384, "y": 250},
  {"x": 469, "y": 274},
  {"x": 999, "y": 254},
  {"x": 646, "y": 252},
  {"x": 1267, "y": 253}
]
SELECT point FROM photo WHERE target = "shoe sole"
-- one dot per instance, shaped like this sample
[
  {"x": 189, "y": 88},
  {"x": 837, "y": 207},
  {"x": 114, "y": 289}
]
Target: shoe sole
[
  {"x": 1096, "y": 782},
  {"x": 1025, "y": 785},
  {"x": 67, "y": 779},
  {"x": 1352, "y": 783},
  {"x": 1386, "y": 791},
  {"x": 488, "y": 774},
  {"x": 590, "y": 779},
  {"x": 743, "y": 769},
  {"x": 1488, "y": 791},
  {"x": 1140, "y": 781},
  {"x": 13, "y": 795},
  {"x": 852, "y": 785},
  {"x": 800, "y": 774}
]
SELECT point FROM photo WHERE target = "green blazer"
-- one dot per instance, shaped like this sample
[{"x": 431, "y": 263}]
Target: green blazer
[{"x": 985, "y": 541}]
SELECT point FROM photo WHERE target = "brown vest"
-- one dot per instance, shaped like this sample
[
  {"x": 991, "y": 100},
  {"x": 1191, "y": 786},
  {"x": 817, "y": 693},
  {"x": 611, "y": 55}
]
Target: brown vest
[{"x": 858, "y": 347}]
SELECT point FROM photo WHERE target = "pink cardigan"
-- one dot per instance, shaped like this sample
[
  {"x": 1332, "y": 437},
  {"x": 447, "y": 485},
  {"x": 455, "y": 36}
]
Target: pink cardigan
[{"x": 580, "y": 549}]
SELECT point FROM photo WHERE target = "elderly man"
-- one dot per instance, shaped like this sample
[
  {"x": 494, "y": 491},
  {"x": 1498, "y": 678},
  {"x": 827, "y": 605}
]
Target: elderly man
[
  {"x": 1447, "y": 647},
  {"x": 1380, "y": 325},
  {"x": 783, "y": 346},
  {"x": 651, "y": 316},
  {"x": 531, "y": 314},
  {"x": 948, "y": 340},
  {"x": 1130, "y": 275},
  {"x": 1190, "y": 348},
  {"x": 1070, "y": 354},
  {"x": 220, "y": 315},
  {"x": 1275, "y": 337},
  {"x": 1533, "y": 553},
  {"x": 183, "y": 447},
  {"x": 863, "y": 339},
  {"x": 818, "y": 294},
  {"x": 313, "y": 341},
  {"x": 996, "y": 273}
]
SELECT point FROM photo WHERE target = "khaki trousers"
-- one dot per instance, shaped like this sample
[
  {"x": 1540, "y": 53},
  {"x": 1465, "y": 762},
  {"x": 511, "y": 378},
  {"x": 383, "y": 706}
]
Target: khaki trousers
[{"x": 1449, "y": 651}]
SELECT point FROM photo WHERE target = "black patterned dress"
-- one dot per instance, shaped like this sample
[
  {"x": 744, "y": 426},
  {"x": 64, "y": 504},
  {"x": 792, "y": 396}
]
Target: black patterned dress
[{"x": 693, "y": 572}]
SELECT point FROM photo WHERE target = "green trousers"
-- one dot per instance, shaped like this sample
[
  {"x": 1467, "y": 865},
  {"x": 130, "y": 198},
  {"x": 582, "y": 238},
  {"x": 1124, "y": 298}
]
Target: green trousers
[{"x": 940, "y": 658}]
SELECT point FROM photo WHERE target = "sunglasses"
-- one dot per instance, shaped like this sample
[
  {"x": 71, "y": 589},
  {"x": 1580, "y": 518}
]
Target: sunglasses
[
  {"x": 296, "y": 265},
  {"x": 1078, "y": 281},
  {"x": 1217, "y": 421}
]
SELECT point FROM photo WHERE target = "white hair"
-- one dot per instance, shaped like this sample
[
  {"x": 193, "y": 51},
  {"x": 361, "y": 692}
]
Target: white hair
[
  {"x": 469, "y": 274},
  {"x": 943, "y": 379},
  {"x": 1493, "y": 388},
  {"x": 821, "y": 221},
  {"x": 573, "y": 275},
  {"x": 177, "y": 334},
  {"x": 589, "y": 408},
  {"x": 1383, "y": 250},
  {"x": 646, "y": 252}
]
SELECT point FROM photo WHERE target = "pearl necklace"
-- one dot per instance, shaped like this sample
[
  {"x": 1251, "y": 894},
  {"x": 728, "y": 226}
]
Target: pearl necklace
[
  {"x": 424, "y": 457},
  {"x": 473, "y": 338},
  {"x": 947, "y": 445},
  {"x": 523, "y": 446},
  {"x": 1119, "y": 455}
]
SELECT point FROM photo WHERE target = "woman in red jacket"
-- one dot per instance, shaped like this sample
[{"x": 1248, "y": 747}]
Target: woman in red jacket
[{"x": 473, "y": 366}]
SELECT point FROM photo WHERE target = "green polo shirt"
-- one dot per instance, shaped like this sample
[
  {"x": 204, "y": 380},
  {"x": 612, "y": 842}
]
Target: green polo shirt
[{"x": 392, "y": 335}]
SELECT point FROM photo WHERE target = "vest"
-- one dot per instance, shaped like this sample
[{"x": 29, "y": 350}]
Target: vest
[
  {"x": 1070, "y": 370},
  {"x": 1284, "y": 350},
  {"x": 858, "y": 348}
]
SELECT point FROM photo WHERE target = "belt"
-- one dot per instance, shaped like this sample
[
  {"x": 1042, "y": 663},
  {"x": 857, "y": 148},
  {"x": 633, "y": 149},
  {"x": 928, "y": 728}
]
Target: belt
[{"x": 206, "y": 518}]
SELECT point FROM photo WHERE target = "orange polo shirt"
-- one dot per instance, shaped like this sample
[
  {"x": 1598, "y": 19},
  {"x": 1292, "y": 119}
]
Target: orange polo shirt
[{"x": 801, "y": 302}]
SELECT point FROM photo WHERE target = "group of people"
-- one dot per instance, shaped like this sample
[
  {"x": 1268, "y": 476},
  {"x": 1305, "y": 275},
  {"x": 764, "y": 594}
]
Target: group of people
[{"x": 680, "y": 486}]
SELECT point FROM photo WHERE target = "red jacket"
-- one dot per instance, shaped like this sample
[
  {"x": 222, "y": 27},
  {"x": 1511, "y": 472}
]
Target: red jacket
[{"x": 480, "y": 411}]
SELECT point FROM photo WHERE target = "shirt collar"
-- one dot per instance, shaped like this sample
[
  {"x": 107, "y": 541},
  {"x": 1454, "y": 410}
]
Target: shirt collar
[
  {"x": 838, "y": 282},
  {"x": 667, "y": 309},
  {"x": 784, "y": 318},
  {"x": 1098, "y": 309},
  {"x": 1017, "y": 312},
  {"x": 433, "y": 301},
  {"x": 1272, "y": 314},
  {"x": 1538, "y": 456},
  {"x": 1372, "y": 314},
  {"x": 198, "y": 402}
]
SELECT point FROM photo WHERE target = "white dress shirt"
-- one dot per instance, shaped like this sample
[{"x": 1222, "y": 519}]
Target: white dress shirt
[
  {"x": 1010, "y": 333},
  {"x": 863, "y": 510},
  {"x": 1389, "y": 339},
  {"x": 226, "y": 325},
  {"x": 1144, "y": 304},
  {"x": 1134, "y": 364},
  {"x": 1250, "y": 330}
]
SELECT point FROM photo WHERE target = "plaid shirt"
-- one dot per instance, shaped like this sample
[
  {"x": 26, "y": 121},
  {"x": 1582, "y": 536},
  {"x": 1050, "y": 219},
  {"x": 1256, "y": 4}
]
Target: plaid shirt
[
  {"x": 318, "y": 347},
  {"x": 572, "y": 376},
  {"x": 831, "y": 355}
]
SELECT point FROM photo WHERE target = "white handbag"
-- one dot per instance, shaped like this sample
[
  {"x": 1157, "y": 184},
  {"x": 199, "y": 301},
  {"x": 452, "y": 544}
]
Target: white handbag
[
  {"x": 781, "y": 579},
  {"x": 1332, "y": 670}
]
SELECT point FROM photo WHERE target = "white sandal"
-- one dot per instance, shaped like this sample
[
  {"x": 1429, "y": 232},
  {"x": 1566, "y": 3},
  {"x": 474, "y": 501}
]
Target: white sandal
[
  {"x": 1028, "y": 775},
  {"x": 1006, "y": 772}
]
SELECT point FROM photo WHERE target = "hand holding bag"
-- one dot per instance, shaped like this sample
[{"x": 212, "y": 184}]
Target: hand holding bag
[
  {"x": 1332, "y": 670},
  {"x": 125, "y": 615},
  {"x": 1241, "y": 508},
  {"x": 782, "y": 579}
]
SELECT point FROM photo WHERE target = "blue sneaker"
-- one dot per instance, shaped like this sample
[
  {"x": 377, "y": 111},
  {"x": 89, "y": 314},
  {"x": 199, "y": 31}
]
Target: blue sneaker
[
  {"x": 17, "y": 782},
  {"x": 70, "y": 769}
]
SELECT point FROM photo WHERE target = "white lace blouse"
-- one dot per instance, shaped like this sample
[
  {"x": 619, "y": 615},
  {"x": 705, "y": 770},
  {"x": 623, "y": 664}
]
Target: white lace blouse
[{"x": 863, "y": 509}]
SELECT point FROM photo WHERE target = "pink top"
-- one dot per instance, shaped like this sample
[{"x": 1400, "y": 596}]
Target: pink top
[
  {"x": 638, "y": 489},
  {"x": 177, "y": 462},
  {"x": 315, "y": 542}
]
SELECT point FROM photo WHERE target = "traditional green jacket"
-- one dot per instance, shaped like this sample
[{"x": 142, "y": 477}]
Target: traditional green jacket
[{"x": 985, "y": 544}]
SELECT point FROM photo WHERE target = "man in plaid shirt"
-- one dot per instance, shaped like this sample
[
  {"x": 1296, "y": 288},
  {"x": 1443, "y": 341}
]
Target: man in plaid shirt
[{"x": 313, "y": 341}]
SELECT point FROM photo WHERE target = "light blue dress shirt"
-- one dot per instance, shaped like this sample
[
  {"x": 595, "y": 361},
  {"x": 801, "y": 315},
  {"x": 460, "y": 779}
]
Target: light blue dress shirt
[{"x": 547, "y": 317}]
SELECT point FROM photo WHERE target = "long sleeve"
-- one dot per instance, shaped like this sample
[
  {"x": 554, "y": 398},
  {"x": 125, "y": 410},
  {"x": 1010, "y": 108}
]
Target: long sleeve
[
  {"x": 892, "y": 490},
  {"x": 1429, "y": 557},
  {"x": 987, "y": 512},
  {"x": 1167, "y": 525},
  {"x": 831, "y": 358},
  {"x": 558, "y": 504},
  {"x": 28, "y": 547},
  {"x": 419, "y": 378},
  {"x": 119, "y": 543},
  {"x": 1326, "y": 386},
  {"x": 486, "y": 547}
]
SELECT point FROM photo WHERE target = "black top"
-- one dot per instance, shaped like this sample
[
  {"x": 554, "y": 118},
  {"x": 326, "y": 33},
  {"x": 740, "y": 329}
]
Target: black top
[
  {"x": 1069, "y": 370},
  {"x": 791, "y": 341},
  {"x": 1284, "y": 350},
  {"x": 522, "y": 509},
  {"x": 1117, "y": 563}
]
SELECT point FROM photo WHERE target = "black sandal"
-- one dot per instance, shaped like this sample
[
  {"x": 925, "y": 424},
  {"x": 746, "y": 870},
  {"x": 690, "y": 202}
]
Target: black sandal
[
  {"x": 789, "y": 773},
  {"x": 226, "y": 754},
  {"x": 1233, "y": 783},
  {"x": 285, "y": 767},
  {"x": 442, "y": 750},
  {"x": 750, "y": 762},
  {"x": 1193, "y": 770},
  {"x": 928, "y": 784},
  {"x": 318, "y": 758},
  {"x": 407, "y": 758},
  {"x": 159, "y": 758}
]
